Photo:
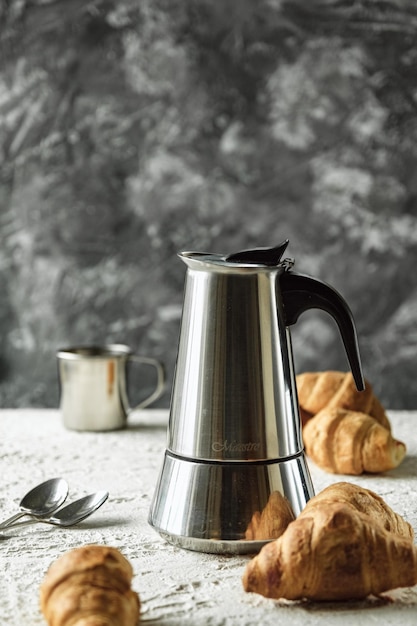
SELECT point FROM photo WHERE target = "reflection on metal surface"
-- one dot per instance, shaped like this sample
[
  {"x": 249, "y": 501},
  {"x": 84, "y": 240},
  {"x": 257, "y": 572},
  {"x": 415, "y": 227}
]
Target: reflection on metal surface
[
  {"x": 272, "y": 521},
  {"x": 199, "y": 505}
]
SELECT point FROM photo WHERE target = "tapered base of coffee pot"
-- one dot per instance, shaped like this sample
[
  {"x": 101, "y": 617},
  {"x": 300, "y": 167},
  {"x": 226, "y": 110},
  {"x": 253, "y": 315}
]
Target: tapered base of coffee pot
[{"x": 229, "y": 507}]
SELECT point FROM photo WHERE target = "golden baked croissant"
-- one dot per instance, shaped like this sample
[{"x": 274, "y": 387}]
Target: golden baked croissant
[
  {"x": 90, "y": 586},
  {"x": 349, "y": 442},
  {"x": 332, "y": 389},
  {"x": 332, "y": 551},
  {"x": 365, "y": 501}
]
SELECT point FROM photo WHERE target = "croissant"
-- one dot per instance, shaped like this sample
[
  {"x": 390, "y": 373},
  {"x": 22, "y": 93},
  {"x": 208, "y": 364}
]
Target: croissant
[
  {"x": 333, "y": 551},
  {"x": 365, "y": 501},
  {"x": 90, "y": 586},
  {"x": 349, "y": 442},
  {"x": 332, "y": 389}
]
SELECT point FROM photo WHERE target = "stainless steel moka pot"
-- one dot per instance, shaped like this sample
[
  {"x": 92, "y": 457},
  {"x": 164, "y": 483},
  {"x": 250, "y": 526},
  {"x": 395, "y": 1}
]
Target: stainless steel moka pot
[{"x": 234, "y": 435}]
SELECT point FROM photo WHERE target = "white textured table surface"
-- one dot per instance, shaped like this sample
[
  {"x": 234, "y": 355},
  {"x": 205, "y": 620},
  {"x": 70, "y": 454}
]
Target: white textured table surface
[{"x": 177, "y": 587}]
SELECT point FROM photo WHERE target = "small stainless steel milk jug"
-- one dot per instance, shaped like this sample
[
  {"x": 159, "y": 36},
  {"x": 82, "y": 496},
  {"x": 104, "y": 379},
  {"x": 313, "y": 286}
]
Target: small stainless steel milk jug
[{"x": 235, "y": 457}]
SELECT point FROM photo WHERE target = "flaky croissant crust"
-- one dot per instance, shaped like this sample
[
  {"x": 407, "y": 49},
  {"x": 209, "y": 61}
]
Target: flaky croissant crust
[
  {"x": 364, "y": 501},
  {"x": 339, "y": 548},
  {"x": 90, "y": 586},
  {"x": 345, "y": 431},
  {"x": 333, "y": 389},
  {"x": 349, "y": 442}
]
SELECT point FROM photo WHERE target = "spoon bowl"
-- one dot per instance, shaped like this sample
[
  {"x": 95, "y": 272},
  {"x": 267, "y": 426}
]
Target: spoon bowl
[
  {"x": 41, "y": 501},
  {"x": 72, "y": 513},
  {"x": 78, "y": 510}
]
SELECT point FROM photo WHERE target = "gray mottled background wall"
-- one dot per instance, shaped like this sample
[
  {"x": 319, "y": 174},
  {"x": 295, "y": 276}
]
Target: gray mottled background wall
[{"x": 133, "y": 129}]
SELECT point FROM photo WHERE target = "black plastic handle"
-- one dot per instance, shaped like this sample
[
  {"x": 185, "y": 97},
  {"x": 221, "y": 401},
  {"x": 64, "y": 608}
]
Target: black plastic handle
[
  {"x": 301, "y": 293},
  {"x": 259, "y": 256}
]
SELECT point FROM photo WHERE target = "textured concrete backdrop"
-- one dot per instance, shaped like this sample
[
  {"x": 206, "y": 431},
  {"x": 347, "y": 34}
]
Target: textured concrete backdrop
[{"x": 131, "y": 130}]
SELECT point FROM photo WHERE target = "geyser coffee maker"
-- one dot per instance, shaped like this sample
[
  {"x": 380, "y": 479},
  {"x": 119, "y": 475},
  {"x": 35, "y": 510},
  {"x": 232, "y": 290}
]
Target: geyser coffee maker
[{"x": 234, "y": 435}]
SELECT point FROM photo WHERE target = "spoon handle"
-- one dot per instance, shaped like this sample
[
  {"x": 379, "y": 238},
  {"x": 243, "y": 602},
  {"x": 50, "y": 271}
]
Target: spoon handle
[
  {"x": 12, "y": 519},
  {"x": 28, "y": 522}
]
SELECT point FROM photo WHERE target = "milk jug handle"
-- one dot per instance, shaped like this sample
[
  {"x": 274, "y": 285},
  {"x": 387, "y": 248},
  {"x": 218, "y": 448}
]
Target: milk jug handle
[{"x": 301, "y": 292}]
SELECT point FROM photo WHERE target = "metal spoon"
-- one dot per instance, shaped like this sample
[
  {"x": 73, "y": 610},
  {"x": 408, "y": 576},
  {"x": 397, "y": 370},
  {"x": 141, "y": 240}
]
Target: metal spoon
[
  {"x": 41, "y": 500},
  {"x": 70, "y": 514}
]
